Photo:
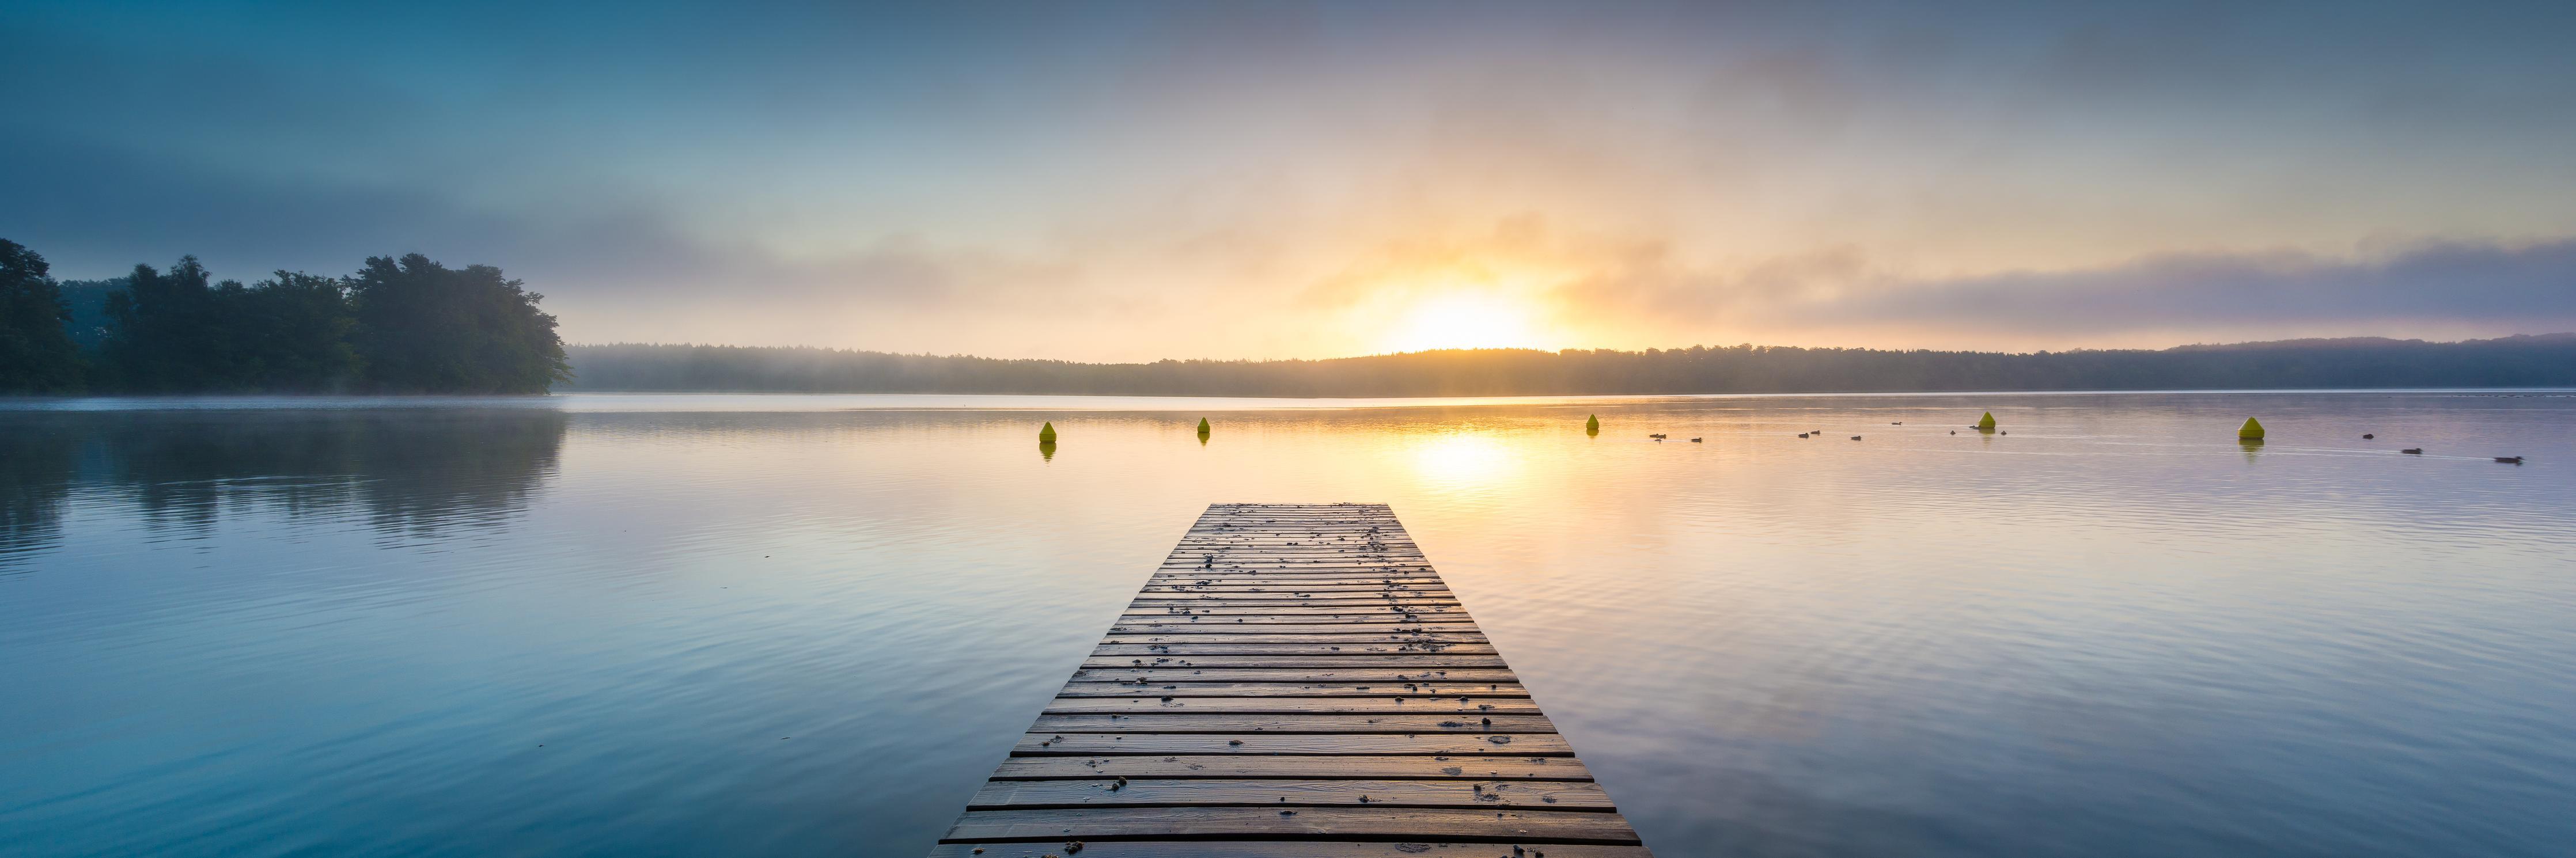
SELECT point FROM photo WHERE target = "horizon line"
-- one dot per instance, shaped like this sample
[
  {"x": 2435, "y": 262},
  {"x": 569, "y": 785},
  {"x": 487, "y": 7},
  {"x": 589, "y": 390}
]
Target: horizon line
[{"x": 1582, "y": 350}]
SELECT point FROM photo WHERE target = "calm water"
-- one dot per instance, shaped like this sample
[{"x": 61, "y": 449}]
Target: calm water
[{"x": 747, "y": 625}]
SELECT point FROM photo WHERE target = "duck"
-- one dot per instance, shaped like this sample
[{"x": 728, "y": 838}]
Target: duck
[
  {"x": 2413, "y": 451},
  {"x": 2510, "y": 460},
  {"x": 1657, "y": 436},
  {"x": 1855, "y": 437},
  {"x": 2367, "y": 436},
  {"x": 1695, "y": 441},
  {"x": 1802, "y": 434},
  {"x": 1896, "y": 423}
]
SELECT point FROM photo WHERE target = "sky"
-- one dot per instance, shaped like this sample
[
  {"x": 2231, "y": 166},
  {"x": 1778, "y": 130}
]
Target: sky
[{"x": 1115, "y": 181}]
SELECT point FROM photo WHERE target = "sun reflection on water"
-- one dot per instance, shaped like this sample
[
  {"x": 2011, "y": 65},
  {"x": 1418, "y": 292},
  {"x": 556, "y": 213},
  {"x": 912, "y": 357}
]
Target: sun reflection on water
[{"x": 1466, "y": 459}]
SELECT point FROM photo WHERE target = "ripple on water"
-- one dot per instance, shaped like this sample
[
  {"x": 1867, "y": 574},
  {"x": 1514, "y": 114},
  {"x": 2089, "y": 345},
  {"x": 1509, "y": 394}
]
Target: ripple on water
[{"x": 777, "y": 625}]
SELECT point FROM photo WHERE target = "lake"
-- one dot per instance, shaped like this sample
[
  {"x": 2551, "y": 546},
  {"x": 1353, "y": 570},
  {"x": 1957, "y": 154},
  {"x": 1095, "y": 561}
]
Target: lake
[{"x": 608, "y": 625}]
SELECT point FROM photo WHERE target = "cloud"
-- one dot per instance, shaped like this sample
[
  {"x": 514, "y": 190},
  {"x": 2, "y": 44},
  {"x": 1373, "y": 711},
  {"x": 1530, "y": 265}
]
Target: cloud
[
  {"x": 1285, "y": 181},
  {"x": 1840, "y": 295},
  {"x": 2512, "y": 285},
  {"x": 610, "y": 270}
]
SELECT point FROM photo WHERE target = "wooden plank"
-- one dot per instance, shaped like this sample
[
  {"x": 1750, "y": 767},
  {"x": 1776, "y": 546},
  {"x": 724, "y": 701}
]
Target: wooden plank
[
  {"x": 1178, "y": 584},
  {"x": 1184, "y": 580},
  {"x": 1294, "y": 596},
  {"x": 1277, "y": 626},
  {"x": 1367, "y": 536},
  {"x": 1356, "y": 544},
  {"x": 1132, "y": 650},
  {"x": 1260, "y": 603},
  {"x": 1219, "y": 556},
  {"x": 1274, "y": 604},
  {"x": 1292, "y": 689},
  {"x": 1292, "y": 681},
  {"x": 1327, "y": 638},
  {"x": 1326, "y": 848},
  {"x": 1208, "y": 722},
  {"x": 1349, "y": 576},
  {"x": 1186, "y": 653},
  {"x": 1284, "y": 606},
  {"x": 1273, "y": 793},
  {"x": 1359, "y": 580},
  {"x": 1381, "y": 572},
  {"x": 1371, "y": 560},
  {"x": 1200, "y": 581},
  {"x": 1285, "y": 674},
  {"x": 1241, "y": 633},
  {"x": 1356, "y": 661},
  {"x": 1309, "y": 744},
  {"x": 1402, "y": 615},
  {"x": 1318, "y": 705},
  {"x": 1477, "y": 825},
  {"x": 1300, "y": 620},
  {"x": 1355, "y": 567},
  {"x": 1202, "y": 627},
  {"x": 1227, "y": 625},
  {"x": 1343, "y": 577},
  {"x": 1315, "y": 767},
  {"x": 1356, "y": 610}
]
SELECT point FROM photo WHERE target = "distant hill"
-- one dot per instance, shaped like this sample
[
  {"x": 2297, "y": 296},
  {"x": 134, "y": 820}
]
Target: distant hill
[{"x": 2547, "y": 360}]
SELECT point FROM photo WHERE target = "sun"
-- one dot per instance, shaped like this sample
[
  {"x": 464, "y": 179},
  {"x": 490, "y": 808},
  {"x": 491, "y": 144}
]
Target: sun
[{"x": 1464, "y": 320}]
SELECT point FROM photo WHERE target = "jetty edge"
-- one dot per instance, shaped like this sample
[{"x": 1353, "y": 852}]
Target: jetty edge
[{"x": 1295, "y": 680}]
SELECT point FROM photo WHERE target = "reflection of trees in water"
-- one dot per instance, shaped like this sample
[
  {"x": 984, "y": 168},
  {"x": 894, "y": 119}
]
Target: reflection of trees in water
[
  {"x": 408, "y": 471},
  {"x": 36, "y": 465}
]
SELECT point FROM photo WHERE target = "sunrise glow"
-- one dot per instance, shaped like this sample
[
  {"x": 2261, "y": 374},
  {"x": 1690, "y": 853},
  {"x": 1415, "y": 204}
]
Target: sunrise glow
[{"x": 1466, "y": 320}]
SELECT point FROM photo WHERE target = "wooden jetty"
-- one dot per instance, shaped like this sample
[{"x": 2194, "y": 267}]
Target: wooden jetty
[{"x": 1294, "y": 681}]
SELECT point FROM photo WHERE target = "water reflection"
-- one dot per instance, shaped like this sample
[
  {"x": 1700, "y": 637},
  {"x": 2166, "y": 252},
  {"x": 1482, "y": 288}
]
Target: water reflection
[
  {"x": 2106, "y": 631},
  {"x": 37, "y": 463},
  {"x": 404, "y": 473},
  {"x": 1465, "y": 459}
]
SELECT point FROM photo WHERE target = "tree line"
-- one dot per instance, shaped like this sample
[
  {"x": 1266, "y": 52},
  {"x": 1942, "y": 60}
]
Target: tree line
[
  {"x": 411, "y": 325},
  {"x": 2520, "y": 361},
  {"x": 408, "y": 325}
]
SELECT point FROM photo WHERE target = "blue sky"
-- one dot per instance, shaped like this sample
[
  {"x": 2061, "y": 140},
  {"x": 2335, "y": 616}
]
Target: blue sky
[{"x": 1128, "y": 181}]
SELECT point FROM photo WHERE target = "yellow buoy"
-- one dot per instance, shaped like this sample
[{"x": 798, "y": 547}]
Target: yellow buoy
[
  {"x": 1203, "y": 427},
  {"x": 1987, "y": 422},
  {"x": 2251, "y": 431},
  {"x": 1592, "y": 425},
  {"x": 1046, "y": 433}
]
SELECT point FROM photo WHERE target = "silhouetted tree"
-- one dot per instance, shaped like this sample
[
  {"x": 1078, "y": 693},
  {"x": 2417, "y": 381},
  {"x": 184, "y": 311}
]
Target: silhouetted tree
[
  {"x": 294, "y": 331},
  {"x": 173, "y": 332},
  {"x": 425, "y": 328},
  {"x": 164, "y": 333},
  {"x": 88, "y": 301},
  {"x": 36, "y": 354}
]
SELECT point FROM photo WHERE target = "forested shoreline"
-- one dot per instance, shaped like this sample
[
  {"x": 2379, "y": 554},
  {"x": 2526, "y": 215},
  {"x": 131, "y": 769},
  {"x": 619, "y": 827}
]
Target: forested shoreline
[
  {"x": 412, "y": 325},
  {"x": 408, "y": 325},
  {"x": 2519, "y": 361}
]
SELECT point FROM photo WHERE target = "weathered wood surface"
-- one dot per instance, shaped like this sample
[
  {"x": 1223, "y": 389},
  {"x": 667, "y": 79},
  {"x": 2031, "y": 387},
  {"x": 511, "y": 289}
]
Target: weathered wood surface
[
  {"x": 1276, "y": 849},
  {"x": 1101, "y": 770},
  {"x": 1294, "y": 680}
]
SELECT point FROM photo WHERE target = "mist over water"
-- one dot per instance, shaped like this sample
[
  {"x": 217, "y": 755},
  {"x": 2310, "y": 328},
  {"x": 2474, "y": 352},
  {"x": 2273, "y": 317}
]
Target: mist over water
[{"x": 775, "y": 625}]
